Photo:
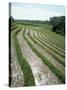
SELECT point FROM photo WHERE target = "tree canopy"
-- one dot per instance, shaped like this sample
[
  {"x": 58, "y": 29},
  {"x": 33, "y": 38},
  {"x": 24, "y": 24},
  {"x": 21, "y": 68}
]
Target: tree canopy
[{"x": 58, "y": 24}]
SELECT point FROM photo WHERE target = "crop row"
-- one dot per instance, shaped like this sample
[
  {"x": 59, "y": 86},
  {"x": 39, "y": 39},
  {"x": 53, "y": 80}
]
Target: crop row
[
  {"x": 59, "y": 59},
  {"x": 51, "y": 46},
  {"x": 25, "y": 67},
  {"x": 47, "y": 62},
  {"x": 48, "y": 41},
  {"x": 54, "y": 38}
]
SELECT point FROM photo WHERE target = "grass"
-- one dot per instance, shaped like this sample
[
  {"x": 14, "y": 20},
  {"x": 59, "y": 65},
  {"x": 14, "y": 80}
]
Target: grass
[
  {"x": 14, "y": 27},
  {"x": 47, "y": 41},
  {"x": 51, "y": 47},
  {"x": 48, "y": 63},
  {"x": 13, "y": 24},
  {"x": 54, "y": 38},
  {"x": 55, "y": 52},
  {"x": 49, "y": 51},
  {"x": 25, "y": 67}
]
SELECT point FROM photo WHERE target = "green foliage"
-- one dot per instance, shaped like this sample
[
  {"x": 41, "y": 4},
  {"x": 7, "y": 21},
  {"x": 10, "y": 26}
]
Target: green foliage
[
  {"x": 32, "y": 22},
  {"x": 58, "y": 24}
]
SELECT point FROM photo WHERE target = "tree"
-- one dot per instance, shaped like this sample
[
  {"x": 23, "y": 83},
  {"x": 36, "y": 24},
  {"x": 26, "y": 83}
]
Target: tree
[{"x": 58, "y": 24}]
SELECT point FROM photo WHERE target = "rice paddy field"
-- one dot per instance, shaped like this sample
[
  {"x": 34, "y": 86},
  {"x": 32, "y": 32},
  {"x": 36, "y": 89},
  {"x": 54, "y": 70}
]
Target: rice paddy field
[{"x": 37, "y": 56}]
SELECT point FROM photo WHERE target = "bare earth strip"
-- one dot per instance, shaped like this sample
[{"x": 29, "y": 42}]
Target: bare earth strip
[
  {"x": 16, "y": 73},
  {"x": 42, "y": 74}
]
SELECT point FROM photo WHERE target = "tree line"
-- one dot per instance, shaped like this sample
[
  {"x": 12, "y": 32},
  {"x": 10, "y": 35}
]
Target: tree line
[{"x": 58, "y": 24}]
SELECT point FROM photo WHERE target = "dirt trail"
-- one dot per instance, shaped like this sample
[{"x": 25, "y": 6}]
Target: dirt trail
[
  {"x": 16, "y": 73},
  {"x": 42, "y": 74}
]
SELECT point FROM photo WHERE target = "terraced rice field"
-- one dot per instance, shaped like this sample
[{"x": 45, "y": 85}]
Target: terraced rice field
[{"x": 37, "y": 56}]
